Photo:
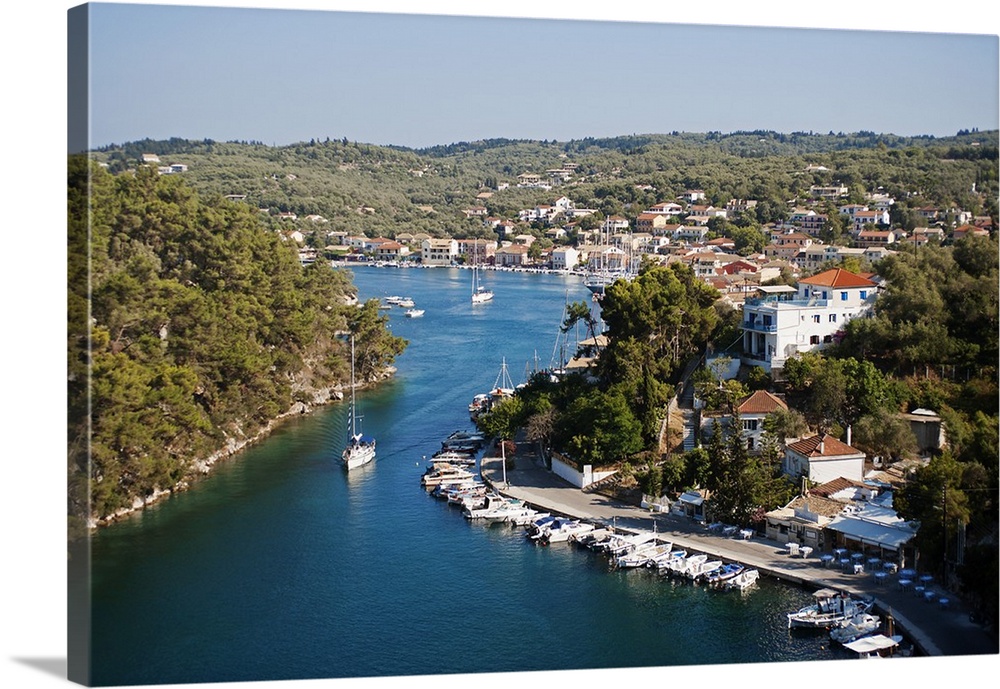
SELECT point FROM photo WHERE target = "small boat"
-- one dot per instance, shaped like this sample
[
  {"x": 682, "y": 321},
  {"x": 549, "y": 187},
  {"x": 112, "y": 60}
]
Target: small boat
[
  {"x": 527, "y": 518},
  {"x": 619, "y": 544},
  {"x": 743, "y": 580},
  {"x": 666, "y": 563},
  {"x": 445, "y": 473},
  {"x": 405, "y": 303},
  {"x": 857, "y": 627},
  {"x": 535, "y": 526},
  {"x": 562, "y": 530},
  {"x": 682, "y": 565},
  {"x": 642, "y": 555},
  {"x": 831, "y": 609},
  {"x": 360, "y": 448},
  {"x": 727, "y": 571},
  {"x": 700, "y": 571},
  {"x": 413, "y": 313},
  {"x": 452, "y": 457},
  {"x": 495, "y": 506}
]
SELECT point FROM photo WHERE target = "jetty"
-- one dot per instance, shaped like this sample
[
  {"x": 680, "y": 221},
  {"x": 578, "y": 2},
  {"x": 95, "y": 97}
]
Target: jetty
[{"x": 938, "y": 624}]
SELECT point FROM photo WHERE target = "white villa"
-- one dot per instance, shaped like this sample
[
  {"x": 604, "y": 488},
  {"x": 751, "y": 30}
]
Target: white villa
[
  {"x": 823, "y": 458},
  {"x": 783, "y": 320},
  {"x": 438, "y": 252}
]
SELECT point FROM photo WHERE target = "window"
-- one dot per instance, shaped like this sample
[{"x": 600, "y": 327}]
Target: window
[
  {"x": 864, "y": 294},
  {"x": 816, "y": 318},
  {"x": 843, "y": 296},
  {"x": 814, "y": 339},
  {"x": 827, "y": 339},
  {"x": 833, "y": 318}
]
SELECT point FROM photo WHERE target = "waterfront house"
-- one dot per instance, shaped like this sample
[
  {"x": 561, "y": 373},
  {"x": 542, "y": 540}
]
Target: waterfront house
[
  {"x": 822, "y": 458},
  {"x": 803, "y": 520},
  {"x": 438, "y": 252},
  {"x": 565, "y": 258},
  {"x": 513, "y": 255},
  {"x": 783, "y": 320}
]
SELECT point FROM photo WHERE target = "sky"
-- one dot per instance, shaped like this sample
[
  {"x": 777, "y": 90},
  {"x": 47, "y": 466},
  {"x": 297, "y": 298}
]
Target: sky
[
  {"x": 282, "y": 76},
  {"x": 375, "y": 79}
]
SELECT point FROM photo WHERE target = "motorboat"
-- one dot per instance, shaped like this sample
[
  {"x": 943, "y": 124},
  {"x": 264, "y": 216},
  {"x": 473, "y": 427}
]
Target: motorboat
[
  {"x": 453, "y": 457},
  {"x": 497, "y": 508},
  {"x": 405, "y": 303},
  {"x": 682, "y": 565},
  {"x": 642, "y": 555},
  {"x": 831, "y": 609},
  {"x": 595, "y": 539},
  {"x": 562, "y": 530},
  {"x": 727, "y": 571},
  {"x": 743, "y": 580},
  {"x": 667, "y": 562},
  {"x": 445, "y": 473},
  {"x": 413, "y": 313},
  {"x": 620, "y": 544},
  {"x": 857, "y": 627},
  {"x": 534, "y": 527},
  {"x": 527, "y": 518},
  {"x": 700, "y": 571}
]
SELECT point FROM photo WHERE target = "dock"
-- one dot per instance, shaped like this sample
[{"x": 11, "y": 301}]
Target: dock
[{"x": 935, "y": 628}]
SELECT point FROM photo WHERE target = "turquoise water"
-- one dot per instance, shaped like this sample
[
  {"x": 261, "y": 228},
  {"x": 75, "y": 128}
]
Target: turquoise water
[{"x": 280, "y": 565}]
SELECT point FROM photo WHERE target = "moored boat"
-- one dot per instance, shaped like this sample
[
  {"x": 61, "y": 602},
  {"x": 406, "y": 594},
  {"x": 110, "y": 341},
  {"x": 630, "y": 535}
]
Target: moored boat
[
  {"x": 727, "y": 571},
  {"x": 857, "y": 627},
  {"x": 831, "y": 609},
  {"x": 743, "y": 580}
]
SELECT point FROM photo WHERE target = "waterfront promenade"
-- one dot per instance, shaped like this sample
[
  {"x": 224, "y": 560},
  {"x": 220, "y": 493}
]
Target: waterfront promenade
[{"x": 936, "y": 630}]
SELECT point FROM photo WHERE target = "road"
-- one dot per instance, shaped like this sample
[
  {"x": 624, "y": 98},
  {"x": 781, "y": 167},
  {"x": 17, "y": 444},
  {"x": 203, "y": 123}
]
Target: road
[{"x": 936, "y": 630}]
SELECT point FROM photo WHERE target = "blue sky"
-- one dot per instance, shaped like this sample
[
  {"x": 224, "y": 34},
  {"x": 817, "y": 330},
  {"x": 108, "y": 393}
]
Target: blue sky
[{"x": 280, "y": 76}]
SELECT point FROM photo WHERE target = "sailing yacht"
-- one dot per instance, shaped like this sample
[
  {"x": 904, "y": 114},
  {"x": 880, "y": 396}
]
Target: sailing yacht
[
  {"x": 360, "y": 448},
  {"x": 479, "y": 293}
]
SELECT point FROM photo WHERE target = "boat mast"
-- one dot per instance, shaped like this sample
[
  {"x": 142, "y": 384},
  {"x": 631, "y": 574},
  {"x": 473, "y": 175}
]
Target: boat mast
[{"x": 354, "y": 416}]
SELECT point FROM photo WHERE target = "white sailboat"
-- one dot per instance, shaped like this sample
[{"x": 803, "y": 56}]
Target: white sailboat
[
  {"x": 479, "y": 293},
  {"x": 360, "y": 448}
]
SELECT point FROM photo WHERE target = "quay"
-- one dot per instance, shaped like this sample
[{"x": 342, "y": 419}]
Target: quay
[{"x": 934, "y": 629}]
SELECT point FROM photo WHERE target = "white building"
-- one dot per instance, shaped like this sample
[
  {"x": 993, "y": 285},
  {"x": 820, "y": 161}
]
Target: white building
[
  {"x": 565, "y": 258},
  {"x": 438, "y": 252},
  {"x": 784, "y": 320},
  {"x": 823, "y": 458}
]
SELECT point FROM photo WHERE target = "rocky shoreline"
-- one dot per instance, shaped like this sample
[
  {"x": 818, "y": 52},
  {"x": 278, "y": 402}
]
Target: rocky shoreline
[{"x": 315, "y": 398}]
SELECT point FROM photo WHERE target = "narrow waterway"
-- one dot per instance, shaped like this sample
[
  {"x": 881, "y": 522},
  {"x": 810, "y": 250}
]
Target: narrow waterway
[{"x": 281, "y": 565}]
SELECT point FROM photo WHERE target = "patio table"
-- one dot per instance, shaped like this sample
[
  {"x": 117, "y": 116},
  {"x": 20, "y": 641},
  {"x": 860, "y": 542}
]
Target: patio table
[
  {"x": 826, "y": 559},
  {"x": 880, "y": 577},
  {"x": 904, "y": 584}
]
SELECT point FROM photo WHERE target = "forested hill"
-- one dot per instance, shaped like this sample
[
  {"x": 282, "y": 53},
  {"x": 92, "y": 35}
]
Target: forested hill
[
  {"x": 386, "y": 190},
  {"x": 203, "y": 329}
]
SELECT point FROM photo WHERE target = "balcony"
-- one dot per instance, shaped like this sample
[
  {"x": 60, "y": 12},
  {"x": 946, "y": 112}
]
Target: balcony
[{"x": 759, "y": 327}]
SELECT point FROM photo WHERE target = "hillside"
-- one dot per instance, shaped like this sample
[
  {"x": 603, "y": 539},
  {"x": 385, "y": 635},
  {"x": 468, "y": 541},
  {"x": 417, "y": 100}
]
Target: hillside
[{"x": 383, "y": 191}]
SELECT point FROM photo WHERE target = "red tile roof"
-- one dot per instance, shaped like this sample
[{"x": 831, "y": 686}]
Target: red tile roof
[
  {"x": 761, "y": 402},
  {"x": 823, "y": 446},
  {"x": 837, "y": 277}
]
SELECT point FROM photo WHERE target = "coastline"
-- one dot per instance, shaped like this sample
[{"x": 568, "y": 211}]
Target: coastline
[
  {"x": 202, "y": 467},
  {"x": 932, "y": 629}
]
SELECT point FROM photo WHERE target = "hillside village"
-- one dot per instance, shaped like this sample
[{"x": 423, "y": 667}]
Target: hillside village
[{"x": 796, "y": 283}]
